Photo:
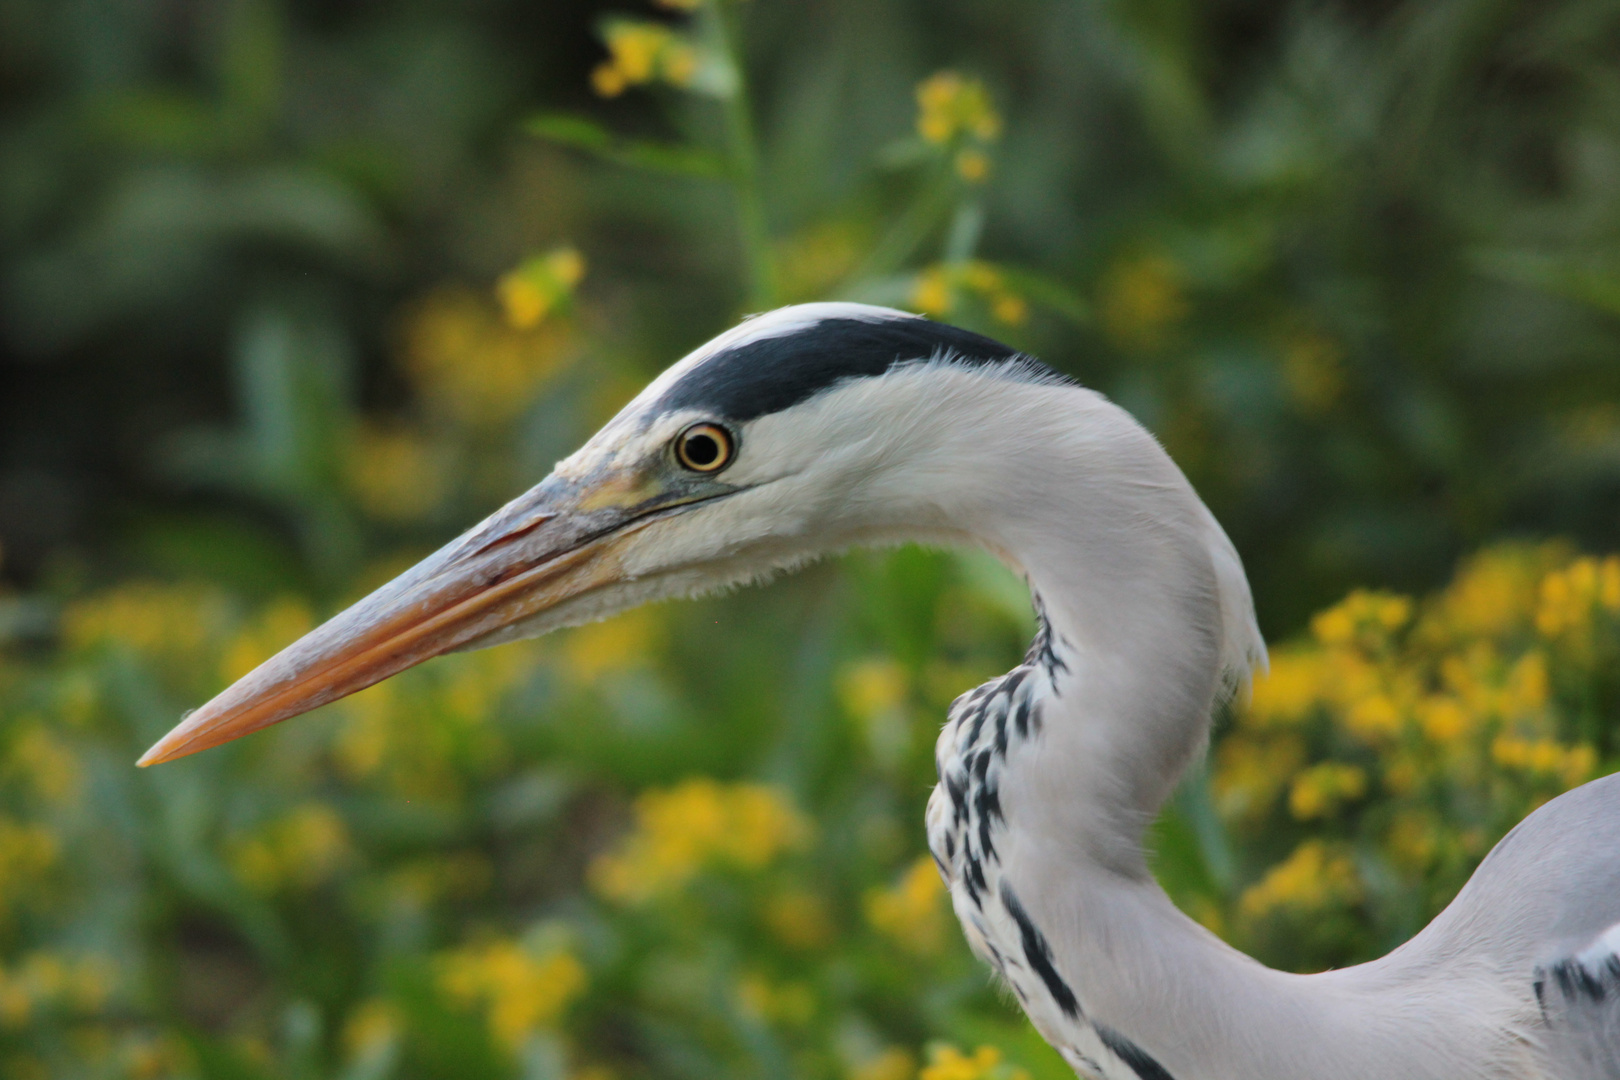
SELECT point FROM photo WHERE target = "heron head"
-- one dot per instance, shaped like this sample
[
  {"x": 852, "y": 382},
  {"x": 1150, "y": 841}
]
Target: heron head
[{"x": 769, "y": 445}]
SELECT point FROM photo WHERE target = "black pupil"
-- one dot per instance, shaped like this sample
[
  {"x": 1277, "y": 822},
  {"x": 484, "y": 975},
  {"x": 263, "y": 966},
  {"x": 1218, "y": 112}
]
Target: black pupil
[{"x": 702, "y": 449}]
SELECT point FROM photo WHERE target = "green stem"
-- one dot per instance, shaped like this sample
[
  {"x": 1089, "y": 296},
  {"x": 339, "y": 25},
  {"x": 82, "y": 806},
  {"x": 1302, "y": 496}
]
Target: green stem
[
  {"x": 744, "y": 153},
  {"x": 908, "y": 232}
]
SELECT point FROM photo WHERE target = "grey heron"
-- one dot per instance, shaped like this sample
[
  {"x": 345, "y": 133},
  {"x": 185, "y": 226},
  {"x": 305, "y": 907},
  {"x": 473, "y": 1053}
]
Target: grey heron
[{"x": 820, "y": 427}]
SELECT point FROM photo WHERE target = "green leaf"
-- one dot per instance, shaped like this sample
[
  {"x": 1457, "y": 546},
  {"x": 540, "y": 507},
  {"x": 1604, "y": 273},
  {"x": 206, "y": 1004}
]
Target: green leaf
[
  {"x": 581, "y": 134},
  {"x": 1591, "y": 280}
]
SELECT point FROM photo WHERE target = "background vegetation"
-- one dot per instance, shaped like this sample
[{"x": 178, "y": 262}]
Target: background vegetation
[{"x": 290, "y": 292}]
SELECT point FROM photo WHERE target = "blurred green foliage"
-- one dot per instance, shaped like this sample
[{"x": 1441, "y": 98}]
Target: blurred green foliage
[{"x": 293, "y": 292}]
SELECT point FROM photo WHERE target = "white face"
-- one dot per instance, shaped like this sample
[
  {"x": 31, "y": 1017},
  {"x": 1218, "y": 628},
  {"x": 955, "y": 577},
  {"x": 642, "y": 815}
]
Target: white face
[{"x": 672, "y": 497}]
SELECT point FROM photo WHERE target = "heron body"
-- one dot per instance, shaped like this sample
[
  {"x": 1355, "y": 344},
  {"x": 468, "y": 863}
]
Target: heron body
[{"x": 821, "y": 427}]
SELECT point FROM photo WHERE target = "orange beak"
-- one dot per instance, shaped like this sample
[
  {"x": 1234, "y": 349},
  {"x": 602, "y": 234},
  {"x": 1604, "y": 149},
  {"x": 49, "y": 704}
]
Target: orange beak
[{"x": 557, "y": 543}]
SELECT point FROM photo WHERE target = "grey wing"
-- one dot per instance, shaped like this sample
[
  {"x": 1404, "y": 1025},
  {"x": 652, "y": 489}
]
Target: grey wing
[
  {"x": 1545, "y": 905},
  {"x": 1579, "y": 997}
]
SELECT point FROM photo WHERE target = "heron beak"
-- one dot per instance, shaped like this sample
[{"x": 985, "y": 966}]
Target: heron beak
[{"x": 560, "y": 541}]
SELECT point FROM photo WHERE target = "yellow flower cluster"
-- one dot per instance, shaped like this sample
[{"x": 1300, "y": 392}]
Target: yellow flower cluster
[
  {"x": 300, "y": 850},
  {"x": 1454, "y": 701},
  {"x": 955, "y": 113},
  {"x": 370, "y": 1032},
  {"x": 539, "y": 286},
  {"x": 946, "y": 1062},
  {"x": 466, "y": 363},
  {"x": 873, "y": 693},
  {"x": 158, "y": 621},
  {"x": 912, "y": 912},
  {"x": 1315, "y": 877},
  {"x": 1569, "y": 765},
  {"x": 1571, "y": 599},
  {"x": 613, "y": 645},
  {"x": 1318, "y": 790},
  {"x": 1141, "y": 300},
  {"x": 939, "y": 288},
  {"x": 396, "y": 733},
  {"x": 47, "y": 980},
  {"x": 523, "y": 992},
  {"x": 46, "y": 764},
  {"x": 643, "y": 52},
  {"x": 698, "y": 823},
  {"x": 893, "y": 1063}
]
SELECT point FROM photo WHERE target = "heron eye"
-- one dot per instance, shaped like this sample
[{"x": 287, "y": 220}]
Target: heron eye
[{"x": 704, "y": 448}]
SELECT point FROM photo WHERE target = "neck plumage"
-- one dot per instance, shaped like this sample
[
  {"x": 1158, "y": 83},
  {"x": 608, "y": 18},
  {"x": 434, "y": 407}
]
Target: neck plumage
[{"x": 1148, "y": 617}]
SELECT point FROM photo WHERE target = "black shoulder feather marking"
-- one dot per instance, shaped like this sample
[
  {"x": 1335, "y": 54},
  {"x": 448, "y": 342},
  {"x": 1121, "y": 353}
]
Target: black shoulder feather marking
[
  {"x": 1140, "y": 1061},
  {"x": 770, "y": 374},
  {"x": 1039, "y": 954}
]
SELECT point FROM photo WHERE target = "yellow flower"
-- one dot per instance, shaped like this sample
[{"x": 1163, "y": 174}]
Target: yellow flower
[
  {"x": 946, "y": 1062},
  {"x": 299, "y": 850},
  {"x": 931, "y": 294},
  {"x": 936, "y": 289},
  {"x": 911, "y": 912},
  {"x": 1571, "y": 765},
  {"x": 973, "y": 165},
  {"x": 894, "y": 1063},
  {"x": 643, "y": 52},
  {"x": 160, "y": 1057},
  {"x": 812, "y": 261},
  {"x": 1250, "y": 773},
  {"x": 522, "y": 992},
  {"x": 53, "y": 981},
  {"x": 1142, "y": 299},
  {"x": 1493, "y": 593},
  {"x": 1318, "y": 791},
  {"x": 372, "y": 1029},
  {"x": 540, "y": 285},
  {"x": 363, "y": 740},
  {"x": 1289, "y": 692},
  {"x": 1009, "y": 309},
  {"x": 622, "y": 642},
  {"x": 792, "y": 1003},
  {"x": 45, "y": 763},
  {"x": 1363, "y": 618},
  {"x": 950, "y": 107},
  {"x": 799, "y": 919},
  {"x": 682, "y": 830},
  {"x": 1313, "y": 878},
  {"x": 465, "y": 362},
  {"x": 166, "y": 622},
  {"x": 1444, "y": 719},
  {"x": 1374, "y": 718}
]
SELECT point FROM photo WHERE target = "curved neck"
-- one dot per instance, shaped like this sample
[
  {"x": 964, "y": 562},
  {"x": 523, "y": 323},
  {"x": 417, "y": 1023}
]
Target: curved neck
[
  {"x": 1146, "y": 605},
  {"x": 1123, "y": 565}
]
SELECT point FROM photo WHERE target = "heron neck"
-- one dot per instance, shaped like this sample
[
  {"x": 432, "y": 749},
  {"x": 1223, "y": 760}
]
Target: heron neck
[
  {"x": 1145, "y": 604},
  {"x": 1122, "y": 568}
]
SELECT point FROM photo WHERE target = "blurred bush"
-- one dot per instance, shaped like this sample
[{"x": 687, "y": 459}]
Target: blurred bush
[{"x": 293, "y": 292}]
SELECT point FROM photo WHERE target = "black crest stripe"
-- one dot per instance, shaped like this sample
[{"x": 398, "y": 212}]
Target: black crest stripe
[
  {"x": 1140, "y": 1061},
  {"x": 767, "y": 375}
]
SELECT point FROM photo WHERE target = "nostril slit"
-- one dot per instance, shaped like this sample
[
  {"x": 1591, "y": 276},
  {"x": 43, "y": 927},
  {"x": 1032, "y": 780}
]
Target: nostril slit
[{"x": 515, "y": 534}]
